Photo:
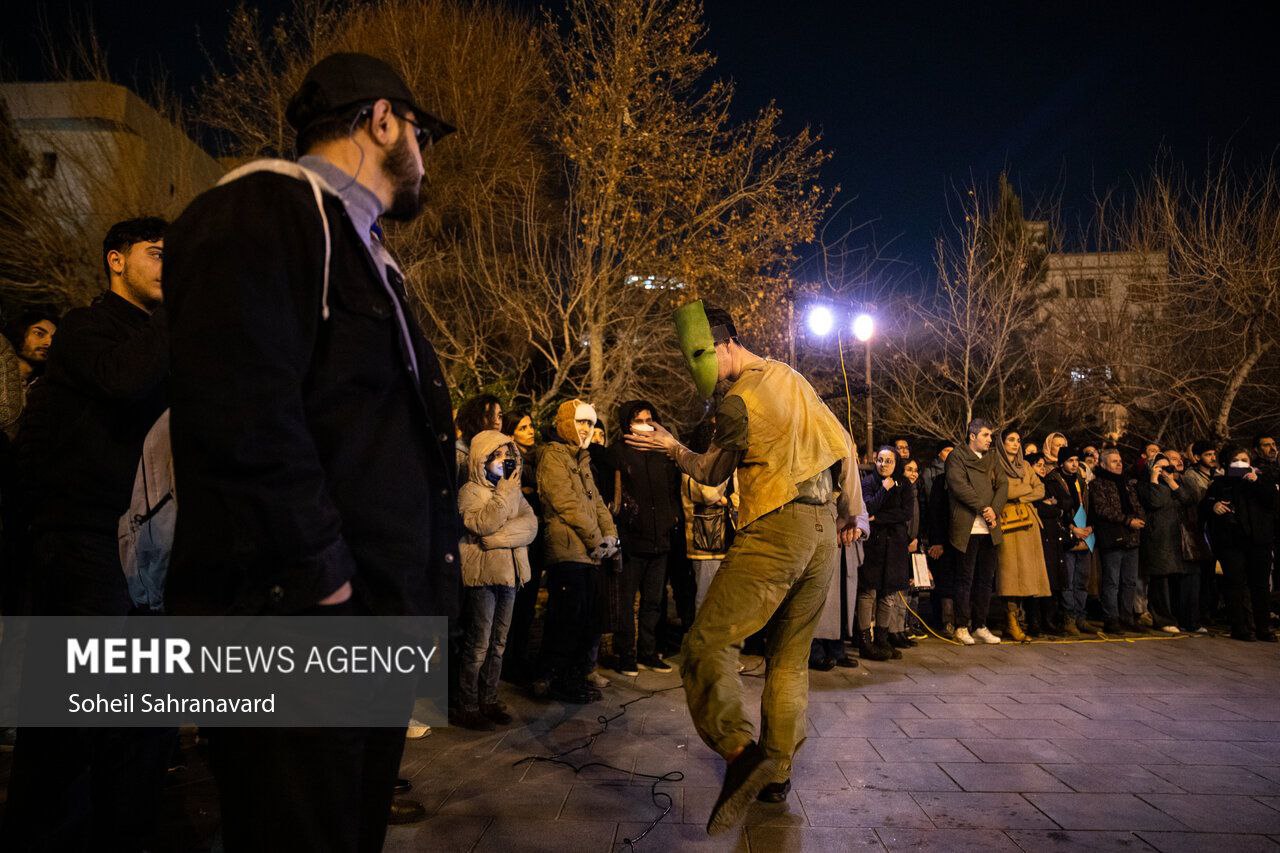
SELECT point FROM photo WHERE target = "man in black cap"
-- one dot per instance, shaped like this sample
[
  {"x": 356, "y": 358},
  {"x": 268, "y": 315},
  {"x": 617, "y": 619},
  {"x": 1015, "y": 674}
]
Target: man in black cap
[{"x": 311, "y": 432}]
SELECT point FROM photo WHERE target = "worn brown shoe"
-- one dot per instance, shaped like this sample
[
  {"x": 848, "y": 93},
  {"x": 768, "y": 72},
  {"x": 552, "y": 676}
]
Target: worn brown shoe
[{"x": 744, "y": 778}]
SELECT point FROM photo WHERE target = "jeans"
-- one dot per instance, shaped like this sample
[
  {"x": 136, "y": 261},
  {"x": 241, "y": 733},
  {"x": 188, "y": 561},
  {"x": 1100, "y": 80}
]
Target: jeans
[
  {"x": 1075, "y": 593},
  {"x": 776, "y": 574},
  {"x": 1119, "y": 584},
  {"x": 486, "y": 617},
  {"x": 975, "y": 572},
  {"x": 704, "y": 571},
  {"x": 646, "y": 574},
  {"x": 573, "y": 627}
]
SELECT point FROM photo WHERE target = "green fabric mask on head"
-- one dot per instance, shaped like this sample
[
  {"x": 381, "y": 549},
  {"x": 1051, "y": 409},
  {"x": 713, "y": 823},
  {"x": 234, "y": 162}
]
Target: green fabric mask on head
[{"x": 699, "y": 347}]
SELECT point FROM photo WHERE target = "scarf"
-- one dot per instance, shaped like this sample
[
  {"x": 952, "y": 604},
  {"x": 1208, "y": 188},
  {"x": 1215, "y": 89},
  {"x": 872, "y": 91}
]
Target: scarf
[{"x": 1122, "y": 486}]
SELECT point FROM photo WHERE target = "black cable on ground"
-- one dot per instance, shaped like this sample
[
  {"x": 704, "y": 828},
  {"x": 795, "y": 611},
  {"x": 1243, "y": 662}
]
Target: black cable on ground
[{"x": 661, "y": 799}]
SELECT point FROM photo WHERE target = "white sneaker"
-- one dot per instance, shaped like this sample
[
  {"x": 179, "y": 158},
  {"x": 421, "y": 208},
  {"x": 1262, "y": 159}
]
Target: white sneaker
[
  {"x": 962, "y": 636},
  {"x": 597, "y": 680},
  {"x": 1171, "y": 629},
  {"x": 416, "y": 730},
  {"x": 986, "y": 636}
]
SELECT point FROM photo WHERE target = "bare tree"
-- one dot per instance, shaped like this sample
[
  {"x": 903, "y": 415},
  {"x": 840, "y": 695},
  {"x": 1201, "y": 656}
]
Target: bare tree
[
  {"x": 595, "y": 182},
  {"x": 969, "y": 349},
  {"x": 1190, "y": 350}
]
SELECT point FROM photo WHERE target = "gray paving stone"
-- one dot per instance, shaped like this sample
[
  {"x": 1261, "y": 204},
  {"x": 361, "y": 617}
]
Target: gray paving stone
[
  {"x": 536, "y": 801},
  {"x": 1026, "y": 729},
  {"x": 1217, "y": 780},
  {"x": 881, "y": 711},
  {"x": 669, "y": 835},
  {"x": 1100, "y": 729},
  {"x": 864, "y": 808},
  {"x": 1038, "y": 711},
  {"x": 955, "y": 711},
  {"x": 1111, "y": 779},
  {"x": 546, "y": 836},
  {"x": 1103, "y": 811},
  {"x": 897, "y": 776},
  {"x": 858, "y": 728},
  {"x": 817, "y": 839},
  {"x": 1060, "y": 841},
  {"x": 981, "y": 811},
  {"x": 1088, "y": 751},
  {"x": 943, "y": 728},
  {"x": 1210, "y": 752},
  {"x": 1018, "y": 751},
  {"x": 446, "y": 833},
  {"x": 1198, "y": 842},
  {"x": 588, "y": 801},
  {"x": 840, "y": 748},
  {"x": 922, "y": 749},
  {"x": 1205, "y": 813},
  {"x": 1013, "y": 778},
  {"x": 948, "y": 840}
]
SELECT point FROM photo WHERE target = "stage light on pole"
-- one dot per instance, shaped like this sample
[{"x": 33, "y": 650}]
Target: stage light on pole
[
  {"x": 821, "y": 320},
  {"x": 864, "y": 327}
]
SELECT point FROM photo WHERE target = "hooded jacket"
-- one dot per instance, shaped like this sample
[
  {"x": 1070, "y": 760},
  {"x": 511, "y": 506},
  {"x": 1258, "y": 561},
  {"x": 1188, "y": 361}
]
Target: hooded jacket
[
  {"x": 573, "y": 512},
  {"x": 312, "y": 428},
  {"x": 650, "y": 507},
  {"x": 499, "y": 522}
]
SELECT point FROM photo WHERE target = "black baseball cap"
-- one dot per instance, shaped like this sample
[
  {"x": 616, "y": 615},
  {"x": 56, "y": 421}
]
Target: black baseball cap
[{"x": 344, "y": 80}]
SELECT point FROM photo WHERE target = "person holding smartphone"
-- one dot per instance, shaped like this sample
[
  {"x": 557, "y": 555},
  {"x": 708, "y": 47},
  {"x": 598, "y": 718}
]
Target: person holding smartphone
[
  {"x": 499, "y": 524},
  {"x": 1240, "y": 510}
]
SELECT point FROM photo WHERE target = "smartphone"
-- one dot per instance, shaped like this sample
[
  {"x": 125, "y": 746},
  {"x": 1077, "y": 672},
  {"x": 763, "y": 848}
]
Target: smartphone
[{"x": 508, "y": 467}]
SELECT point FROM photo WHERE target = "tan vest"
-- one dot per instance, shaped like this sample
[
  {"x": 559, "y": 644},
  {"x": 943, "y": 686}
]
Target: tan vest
[{"x": 791, "y": 436}]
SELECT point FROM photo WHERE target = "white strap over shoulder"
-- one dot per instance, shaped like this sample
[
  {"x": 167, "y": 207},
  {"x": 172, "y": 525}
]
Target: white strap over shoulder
[{"x": 318, "y": 188}]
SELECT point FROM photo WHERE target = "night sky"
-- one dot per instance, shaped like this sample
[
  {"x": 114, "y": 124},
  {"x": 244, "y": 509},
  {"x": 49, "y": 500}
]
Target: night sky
[{"x": 914, "y": 99}]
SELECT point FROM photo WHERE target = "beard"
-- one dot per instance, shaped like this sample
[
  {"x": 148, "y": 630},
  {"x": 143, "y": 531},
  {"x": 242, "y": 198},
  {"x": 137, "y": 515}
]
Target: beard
[{"x": 406, "y": 200}]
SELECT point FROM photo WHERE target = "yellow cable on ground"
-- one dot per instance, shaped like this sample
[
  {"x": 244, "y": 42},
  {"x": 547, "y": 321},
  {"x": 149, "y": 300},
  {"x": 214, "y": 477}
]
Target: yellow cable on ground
[{"x": 1100, "y": 638}]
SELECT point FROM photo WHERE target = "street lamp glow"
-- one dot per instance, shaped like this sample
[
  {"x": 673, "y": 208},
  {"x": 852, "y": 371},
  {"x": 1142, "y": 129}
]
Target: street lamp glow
[
  {"x": 821, "y": 320},
  {"x": 864, "y": 327}
]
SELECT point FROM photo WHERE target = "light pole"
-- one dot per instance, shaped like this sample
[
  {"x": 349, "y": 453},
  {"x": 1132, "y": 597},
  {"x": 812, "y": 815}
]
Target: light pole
[{"x": 864, "y": 327}]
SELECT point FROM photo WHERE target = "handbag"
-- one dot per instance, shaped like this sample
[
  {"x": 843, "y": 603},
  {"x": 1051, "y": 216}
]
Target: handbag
[
  {"x": 921, "y": 577},
  {"x": 1016, "y": 515},
  {"x": 711, "y": 528}
]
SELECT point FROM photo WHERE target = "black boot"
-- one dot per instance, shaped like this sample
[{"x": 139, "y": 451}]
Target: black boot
[
  {"x": 900, "y": 640},
  {"x": 948, "y": 618},
  {"x": 867, "y": 648},
  {"x": 882, "y": 640}
]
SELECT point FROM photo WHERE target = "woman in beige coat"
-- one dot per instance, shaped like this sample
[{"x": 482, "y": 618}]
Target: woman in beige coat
[{"x": 1022, "y": 572}]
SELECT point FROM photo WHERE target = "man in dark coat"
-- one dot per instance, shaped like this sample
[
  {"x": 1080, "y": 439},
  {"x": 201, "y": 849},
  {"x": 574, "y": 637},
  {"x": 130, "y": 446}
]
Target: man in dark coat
[
  {"x": 312, "y": 432},
  {"x": 78, "y": 450},
  {"x": 648, "y": 485},
  {"x": 978, "y": 489}
]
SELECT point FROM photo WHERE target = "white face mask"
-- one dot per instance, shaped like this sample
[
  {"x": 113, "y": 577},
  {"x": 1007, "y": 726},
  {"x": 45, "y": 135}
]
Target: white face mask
[
  {"x": 637, "y": 426},
  {"x": 1240, "y": 463}
]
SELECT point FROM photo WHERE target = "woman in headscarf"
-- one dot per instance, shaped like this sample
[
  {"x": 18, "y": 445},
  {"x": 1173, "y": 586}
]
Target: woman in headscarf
[
  {"x": 1053, "y": 442},
  {"x": 1022, "y": 572},
  {"x": 891, "y": 503}
]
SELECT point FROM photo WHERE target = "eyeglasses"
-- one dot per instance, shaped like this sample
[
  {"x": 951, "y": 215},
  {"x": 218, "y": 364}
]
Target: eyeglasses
[{"x": 420, "y": 133}]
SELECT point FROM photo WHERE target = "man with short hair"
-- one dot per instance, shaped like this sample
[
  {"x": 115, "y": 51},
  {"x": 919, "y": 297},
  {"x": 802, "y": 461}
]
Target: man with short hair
[
  {"x": 312, "y": 433},
  {"x": 791, "y": 455},
  {"x": 1266, "y": 457},
  {"x": 978, "y": 490},
  {"x": 78, "y": 447},
  {"x": 1195, "y": 480}
]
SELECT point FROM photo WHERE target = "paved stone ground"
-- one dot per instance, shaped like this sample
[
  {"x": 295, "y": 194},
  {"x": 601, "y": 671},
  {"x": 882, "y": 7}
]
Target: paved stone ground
[{"x": 1171, "y": 745}]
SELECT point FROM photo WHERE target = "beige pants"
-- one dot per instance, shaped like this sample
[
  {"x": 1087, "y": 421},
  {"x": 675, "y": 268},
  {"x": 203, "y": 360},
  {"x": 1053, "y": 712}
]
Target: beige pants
[{"x": 776, "y": 575}]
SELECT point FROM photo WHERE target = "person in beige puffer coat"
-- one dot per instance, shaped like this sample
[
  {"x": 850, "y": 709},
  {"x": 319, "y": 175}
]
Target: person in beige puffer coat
[
  {"x": 578, "y": 534},
  {"x": 499, "y": 524}
]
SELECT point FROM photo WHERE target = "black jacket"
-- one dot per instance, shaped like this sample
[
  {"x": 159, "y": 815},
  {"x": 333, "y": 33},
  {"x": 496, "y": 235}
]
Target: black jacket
[
  {"x": 886, "y": 566},
  {"x": 306, "y": 451},
  {"x": 650, "y": 508},
  {"x": 81, "y": 436},
  {"x": 1252, "y": 519}
]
